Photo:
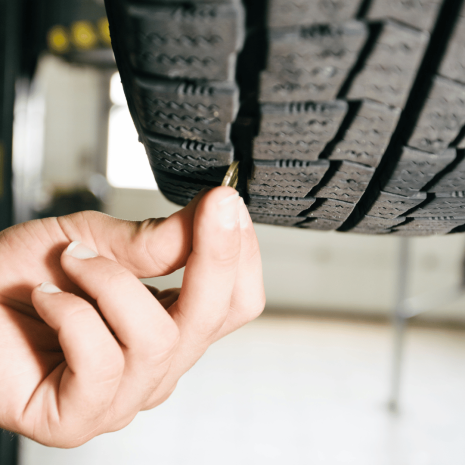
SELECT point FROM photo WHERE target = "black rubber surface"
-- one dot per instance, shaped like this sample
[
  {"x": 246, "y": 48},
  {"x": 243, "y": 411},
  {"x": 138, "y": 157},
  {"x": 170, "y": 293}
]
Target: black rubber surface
[{"x": 345, "y": 115}]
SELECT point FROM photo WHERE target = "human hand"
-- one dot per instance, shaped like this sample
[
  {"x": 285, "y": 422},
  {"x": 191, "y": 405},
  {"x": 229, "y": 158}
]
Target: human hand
[{"x": 83, "y": 356}]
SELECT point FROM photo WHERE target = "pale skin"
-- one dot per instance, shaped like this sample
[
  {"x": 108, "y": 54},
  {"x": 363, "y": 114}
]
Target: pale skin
[{"x": 84, "y": 345}]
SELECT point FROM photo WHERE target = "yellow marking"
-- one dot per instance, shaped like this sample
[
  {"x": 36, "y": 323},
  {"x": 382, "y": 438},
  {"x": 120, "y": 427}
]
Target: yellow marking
[
  {"x": 104, "y": 31},
  {"x": 58, "y": 39},
  {"x": 83, "y": 35}
]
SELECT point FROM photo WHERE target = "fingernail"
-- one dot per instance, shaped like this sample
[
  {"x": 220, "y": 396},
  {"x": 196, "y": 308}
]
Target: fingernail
[
  {"x": 229, "y": 211},
  {"x": 244, "y": 217},
  {"x": 78, "y": 250},
  {"x": 49, "y": 288}
]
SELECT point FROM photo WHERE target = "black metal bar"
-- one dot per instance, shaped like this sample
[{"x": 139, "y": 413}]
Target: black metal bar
[
  {"x": 10, "y": 56},
  {"x": 8, "y": 448}
]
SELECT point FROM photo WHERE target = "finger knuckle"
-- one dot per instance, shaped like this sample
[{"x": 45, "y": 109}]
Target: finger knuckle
[
  {"x": 164, "y": 254},
  {"x": 121, "y": 423},
  {"x": 156, "y": 350},
  {"x": 91, "y": 215},
  {"x": 170, "y": 338},
  {"x": 159, "y": 398},
  {"x": 111, "y": 367},
  {"x": 108, "y": 364}
]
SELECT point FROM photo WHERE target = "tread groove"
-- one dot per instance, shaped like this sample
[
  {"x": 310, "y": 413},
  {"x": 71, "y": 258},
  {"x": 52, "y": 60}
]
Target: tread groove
[
  {"x": 363, "y": 9},
  {"x": 374, "y": 32},
  {"x": 448, "y": 169}
]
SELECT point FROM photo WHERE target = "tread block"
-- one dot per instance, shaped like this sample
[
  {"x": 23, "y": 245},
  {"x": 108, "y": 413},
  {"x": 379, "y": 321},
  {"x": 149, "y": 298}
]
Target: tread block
[
  {"x": 310, "y": 63},
  {"x": 389, "y": 205},
  {"x": 331, "y": 209},
  {"x": 377, "y": 223},
  {"x": 300, "y": 12},
  {"x": 453, "y": 63},
  {"x": 367, "y": 138},
  {"x": 177, "y": 198},
  {"x": 288, "y": 206},
  {"x": 186, "y": 110},
  {"x": 189, "y": 158},
  {"x": 443, "y": 205},
  {"x": 358, "y": 230},
  {"x": 418, "y": 14},
  {"x": 442, "y": 117},
  {"x": 451, "y": 182},
  {"x": 415, "y": 233},
  {"x": 429, "y": 226},
  {"x": 389, "y": 71},
  {"x": 185, "y": 41},
  {"x": 415, "y": 169},
  {"x": 277, "y": 220},
  {"x": 321, "y": 224},
  {"x": 179, "y": 190},
  {"x": 297, "y": 131},
  {"x": 287, "y": 178},
  {"x": 348, "y": 183}
]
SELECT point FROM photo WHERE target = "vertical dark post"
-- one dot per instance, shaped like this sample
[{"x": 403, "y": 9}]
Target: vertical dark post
[
  {"x": 9, "y": 68},
  {"x": 399, "y": 320},
  {"x": 8, "y": 448}
]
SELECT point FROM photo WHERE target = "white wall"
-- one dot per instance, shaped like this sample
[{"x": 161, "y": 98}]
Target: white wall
[{"x": 73, "y": 122}]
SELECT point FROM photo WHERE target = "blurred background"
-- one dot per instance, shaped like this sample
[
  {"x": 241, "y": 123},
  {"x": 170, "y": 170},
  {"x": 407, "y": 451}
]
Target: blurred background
[{"x": 313, "y": 379}]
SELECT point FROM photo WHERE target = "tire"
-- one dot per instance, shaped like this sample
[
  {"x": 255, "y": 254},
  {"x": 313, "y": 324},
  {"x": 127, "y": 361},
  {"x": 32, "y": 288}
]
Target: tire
[{"x": 345, "y": 115}]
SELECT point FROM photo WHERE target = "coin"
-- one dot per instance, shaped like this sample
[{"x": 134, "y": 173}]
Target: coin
[{"x": 232, "y": 175}]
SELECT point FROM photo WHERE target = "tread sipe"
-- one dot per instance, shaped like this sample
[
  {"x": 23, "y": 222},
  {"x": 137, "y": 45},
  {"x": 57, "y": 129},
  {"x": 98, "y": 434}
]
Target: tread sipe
[{"x": 345, "y": 115}]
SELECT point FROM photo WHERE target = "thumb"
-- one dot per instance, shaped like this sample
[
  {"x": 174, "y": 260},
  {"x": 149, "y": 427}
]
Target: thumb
[{"x": 150, "y": 248}]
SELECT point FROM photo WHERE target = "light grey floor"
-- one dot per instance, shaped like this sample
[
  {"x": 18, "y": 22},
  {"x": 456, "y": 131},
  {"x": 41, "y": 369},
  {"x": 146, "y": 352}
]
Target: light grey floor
[{"x": 298, "y": 391}]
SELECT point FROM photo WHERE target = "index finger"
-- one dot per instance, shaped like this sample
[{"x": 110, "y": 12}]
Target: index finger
[{"x": 150, "y": 248}]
